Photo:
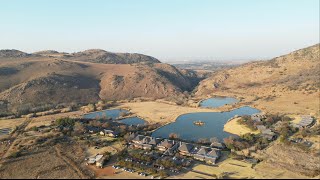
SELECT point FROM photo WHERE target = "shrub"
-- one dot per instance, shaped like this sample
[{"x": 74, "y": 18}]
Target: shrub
[
  {"x": 34, "y": 128},
  {"x": 15, "y": 154},
  {"x": 163, "y": 173},
  {"x": 173, "y": 136},
  {"x": 65, "y": 122}
]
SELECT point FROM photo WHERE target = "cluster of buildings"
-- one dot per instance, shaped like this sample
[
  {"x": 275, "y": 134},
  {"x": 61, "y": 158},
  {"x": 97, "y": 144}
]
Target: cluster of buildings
[
  {"x": 101, "y": 131},
  {"x": 306, "y": 121},
  {"x": 171, "y": 147},
  {"x": 258, "y": 117},
  {"x": 267, "y": 133},
  {"x": 99, "y": 160}
]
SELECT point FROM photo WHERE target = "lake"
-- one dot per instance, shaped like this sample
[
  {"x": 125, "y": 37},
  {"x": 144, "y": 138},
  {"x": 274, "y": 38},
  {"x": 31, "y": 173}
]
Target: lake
[
  {"x": 214, "y": 123},
  {"x": 114, "y": 114},
  {"x": 111, "y": 113},
  {"x": 133, "y": 121},
  {"x": 218, "y": 102}
]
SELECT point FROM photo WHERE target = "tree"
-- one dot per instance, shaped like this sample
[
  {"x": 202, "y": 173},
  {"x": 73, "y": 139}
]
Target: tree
[
  {"x": 15, "y": 154},
  {"x": 229, "y": 142},
  {"x": 248, "y": 137},
  {"x": 79, "y": 128},
  {"x": 34, "y": 128},
  {"x": 163, "y": 173},
  {"x": 173, "y": 136},
  {"x": 204, "y": 140},
  {"x": 91, "y": 107},
  {"x": 65, "y": 122},
  {"x": 214, "y": 140}
]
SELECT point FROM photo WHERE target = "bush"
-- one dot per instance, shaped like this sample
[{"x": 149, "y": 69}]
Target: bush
[
  {"x": 163, "y": 173},
  {"x": 34, "y": 128},
  {"x": 65, "y": 122},
  {"x": 173, "y": 136},
  {"x": 15, "y": 154}
]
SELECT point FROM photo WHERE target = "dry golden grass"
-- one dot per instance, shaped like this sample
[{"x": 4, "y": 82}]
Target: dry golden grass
[
  {"x": 46, "y": 120},
  {"x": 234, "y": 127},
  {"x": 11, "y": 123},
  {"x": 287, "y": 84},
  {"x": 267, "y": 170},
  {"x": 239, "y": 170},
  {"x": 160, "y": 112}
]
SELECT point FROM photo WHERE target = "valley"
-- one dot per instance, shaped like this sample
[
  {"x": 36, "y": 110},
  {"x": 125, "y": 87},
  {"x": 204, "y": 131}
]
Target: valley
[{"x": 247, "y": 114}]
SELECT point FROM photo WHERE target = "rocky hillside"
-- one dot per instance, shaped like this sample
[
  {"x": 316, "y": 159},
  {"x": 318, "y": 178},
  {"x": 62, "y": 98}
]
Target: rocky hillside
[
  {"x": 12, "y": 53},
  {"x": 288, "y": 84},
  {"x": 50, "y": 78},
  {"x": 101, "y": 56}
]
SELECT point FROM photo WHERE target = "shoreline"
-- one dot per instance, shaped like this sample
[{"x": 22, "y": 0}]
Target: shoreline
[{"x": 233, "y": 127}]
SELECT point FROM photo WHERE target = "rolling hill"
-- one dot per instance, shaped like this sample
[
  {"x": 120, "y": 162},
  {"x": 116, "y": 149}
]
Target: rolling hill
[
  {"x": 288, "y": 84},
  {"x": 50, "y": 77}
]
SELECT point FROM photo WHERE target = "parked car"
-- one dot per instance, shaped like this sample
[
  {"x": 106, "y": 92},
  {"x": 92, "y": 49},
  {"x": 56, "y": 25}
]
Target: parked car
[{"x": 142, "y": 174}]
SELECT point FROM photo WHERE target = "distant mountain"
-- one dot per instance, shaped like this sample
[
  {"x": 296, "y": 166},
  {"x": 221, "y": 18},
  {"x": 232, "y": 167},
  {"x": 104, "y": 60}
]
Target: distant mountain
[
  {"x": 46, "y": 52},
  {"x": 12, "y": 53},
  {"x": 289, "y": 83},
  {"x": 101, "y": 56},
  {"x": 91, "y": 55}
]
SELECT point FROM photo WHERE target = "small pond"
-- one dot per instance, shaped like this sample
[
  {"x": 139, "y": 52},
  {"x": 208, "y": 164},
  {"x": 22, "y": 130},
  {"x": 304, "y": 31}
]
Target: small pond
[
  {"x": 217, "y": 102},
  {"x": 214, "y": 123},
  {"x": 111, "y": 113},
  {"x": 133, "y": 121}
]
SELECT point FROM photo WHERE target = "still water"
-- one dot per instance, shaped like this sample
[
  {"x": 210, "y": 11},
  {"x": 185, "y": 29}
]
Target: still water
[
  {"x": 218, "y": 102},
  {"x": 214, "y": 122},
  {"x": 112, "y": 113}
]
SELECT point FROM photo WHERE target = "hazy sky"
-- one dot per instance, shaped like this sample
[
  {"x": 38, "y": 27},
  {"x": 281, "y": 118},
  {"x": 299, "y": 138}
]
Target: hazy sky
[{"x": 165, "y": 29}]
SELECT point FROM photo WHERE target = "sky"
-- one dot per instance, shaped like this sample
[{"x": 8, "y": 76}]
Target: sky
[{"x": 169, "y": 30}]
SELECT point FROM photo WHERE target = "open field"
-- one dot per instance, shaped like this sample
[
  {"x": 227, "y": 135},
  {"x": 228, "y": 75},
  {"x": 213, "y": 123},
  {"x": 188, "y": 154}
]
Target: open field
[
  {"x": 234, "y": 127},
  {"x": 238, "y": 169},
  {"x": 267, "y": 170},
  {"x": 307, "y": 104},
  {"x": 46, "y": 120},
  {"x": 11, "y": 123},
  {"x": 44, "y": 164},
  {"x": 157, "y": 112}
]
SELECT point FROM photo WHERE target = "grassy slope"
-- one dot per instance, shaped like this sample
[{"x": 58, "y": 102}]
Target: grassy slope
[{"x": 286, "y": 84}]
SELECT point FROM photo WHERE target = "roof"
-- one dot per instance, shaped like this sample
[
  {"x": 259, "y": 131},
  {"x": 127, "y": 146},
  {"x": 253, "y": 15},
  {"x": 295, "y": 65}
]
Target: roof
[
  {"x": 146, "y": 139},
  {"x": 139, "y": 138},
  {"x": 208, "y": 152},
  {"x": 107, "y": 131},
  {"x": 132, "y": 135},
  {"x": 203, "y": 151},
  {"x": 268, "y": 136},
  {"x": 154, "y": 141},
  {"x": 305, "y": 120},
  {"x": 186, "y": 147},
  {"x": 92, "y": 128},
  {"x": 91, "y": 160},
  {"x": 261, "y": 127},
  {"x": 167, "y": 143},
  {"x": 217, "y": 144},
  {"x": 257, "y": 116},
  {"x": 214, "y": 153},
  {"x": 98, "y": 157},
  {"x": 268, "y": 132}
]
